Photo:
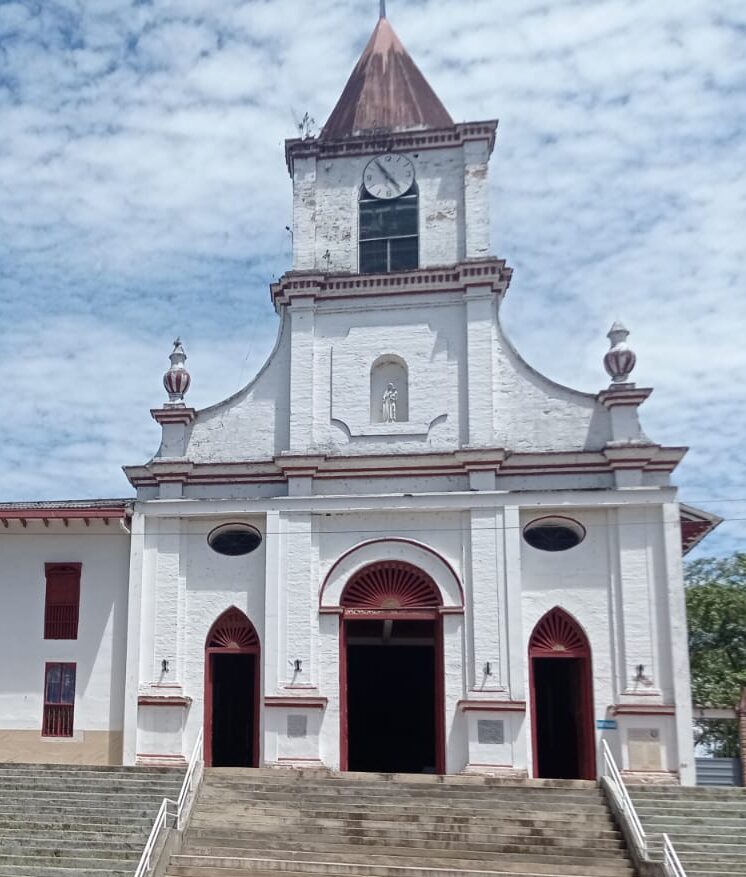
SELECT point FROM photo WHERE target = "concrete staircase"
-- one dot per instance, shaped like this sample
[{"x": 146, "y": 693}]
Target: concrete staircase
[
  {"x": 706, "y": 826},
  {"x": 262, "y": 822},
  {"x": 70, "y": 821}
]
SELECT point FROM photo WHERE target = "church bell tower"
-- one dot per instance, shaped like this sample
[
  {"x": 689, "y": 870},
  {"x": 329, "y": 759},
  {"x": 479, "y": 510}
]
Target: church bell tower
[{"x": 391, "y": 183}]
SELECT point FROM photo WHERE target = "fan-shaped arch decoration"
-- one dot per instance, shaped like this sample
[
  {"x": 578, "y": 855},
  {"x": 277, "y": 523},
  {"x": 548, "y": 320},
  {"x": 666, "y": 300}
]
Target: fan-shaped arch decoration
[
  {"x": 391, "y": 585},
  {"x": 232, "y": 630},
  {"x": 558, "y": 635}
]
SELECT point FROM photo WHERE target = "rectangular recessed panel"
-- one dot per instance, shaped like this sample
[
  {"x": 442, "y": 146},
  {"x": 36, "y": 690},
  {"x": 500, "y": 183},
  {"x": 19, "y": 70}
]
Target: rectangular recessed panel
[
  {"x": 297, "y": 726},
  {"x": 490, "y": 731},
  {"x": 644, "y": 749}
]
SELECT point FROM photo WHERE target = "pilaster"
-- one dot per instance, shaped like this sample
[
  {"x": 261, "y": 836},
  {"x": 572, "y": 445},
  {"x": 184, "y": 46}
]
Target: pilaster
[
  {"x": 487, "y": 672},
  {"x": 302, "y": 322},
  {"x": 132, "y": 666},
  {"x": 479, "y": 322},
  {"x": 476, "y": 198}
]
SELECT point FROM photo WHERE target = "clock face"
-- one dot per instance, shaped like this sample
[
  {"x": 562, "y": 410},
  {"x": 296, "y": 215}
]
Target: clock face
[{"x": 388, "y": 176}]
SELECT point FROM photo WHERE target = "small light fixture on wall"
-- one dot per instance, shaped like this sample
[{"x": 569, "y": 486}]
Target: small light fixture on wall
[
  {"x": 164, "y": 665},
  {"x": 487, "y": 668},
  {"x": 640, "y": 673},
  {"x": 298, "y": 665}
]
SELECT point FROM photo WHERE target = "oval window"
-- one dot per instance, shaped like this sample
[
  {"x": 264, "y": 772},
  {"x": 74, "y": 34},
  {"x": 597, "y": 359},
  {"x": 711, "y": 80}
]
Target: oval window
[
  {"x": 554, "y": 534},
  {"x": 234, "y": 540}
]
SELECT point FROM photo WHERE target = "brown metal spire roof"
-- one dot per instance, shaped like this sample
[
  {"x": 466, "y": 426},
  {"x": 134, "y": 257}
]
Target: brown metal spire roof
[{"x": 386, "y": 91}]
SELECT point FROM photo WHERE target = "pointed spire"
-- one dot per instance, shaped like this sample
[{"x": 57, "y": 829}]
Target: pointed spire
[{"x": 386, "y": 92}]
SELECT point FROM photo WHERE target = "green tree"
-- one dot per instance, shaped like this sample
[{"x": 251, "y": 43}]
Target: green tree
[{"x": 716, "y": 609}]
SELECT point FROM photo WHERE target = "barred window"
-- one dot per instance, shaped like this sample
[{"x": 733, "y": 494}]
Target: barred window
[
  {"x": 62, "y": 604},
  {"x": 59, "y": 700}
]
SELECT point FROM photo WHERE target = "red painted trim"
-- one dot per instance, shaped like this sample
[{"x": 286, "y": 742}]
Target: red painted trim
[
  {"x": 209, "y": 653},
  {"x": 492, "y": 706},
  {"x": 165, "y": 700},
  {"x": 643, "y": 709},
  {"x": 586, "y": 725},
  {"x": 33, "y": 514},
  {"x": 398, "y": 540},
  {"x": 344, "y": 726},
  {"x": 318, "y": 703}
]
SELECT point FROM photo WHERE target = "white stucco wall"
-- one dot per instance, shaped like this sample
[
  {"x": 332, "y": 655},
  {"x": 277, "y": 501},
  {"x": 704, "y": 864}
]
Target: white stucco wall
[{"x": 98, "y": 652}]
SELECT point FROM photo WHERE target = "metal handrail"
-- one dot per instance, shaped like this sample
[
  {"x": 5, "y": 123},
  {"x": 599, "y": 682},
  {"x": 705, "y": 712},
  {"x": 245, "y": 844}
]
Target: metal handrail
[
  {"x": 177, "y": 811},
  {"x": 671, "y": 861},
  {"x": 161, "y": 820},
  {"x": 191, "y": 780},
  {"x": 623, "y": 801}
]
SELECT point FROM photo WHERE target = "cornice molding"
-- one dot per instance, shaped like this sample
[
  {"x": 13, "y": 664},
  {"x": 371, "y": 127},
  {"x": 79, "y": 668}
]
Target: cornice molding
[
  {"x": 493, "y": 275},
  {"x": 374, "y": 142}
]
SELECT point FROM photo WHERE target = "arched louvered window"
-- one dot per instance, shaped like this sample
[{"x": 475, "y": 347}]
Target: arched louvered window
[
  {"x": 233, "y": 631},
  {"x": 558, "y": 635},
  {"x": 391, "y": 585}
]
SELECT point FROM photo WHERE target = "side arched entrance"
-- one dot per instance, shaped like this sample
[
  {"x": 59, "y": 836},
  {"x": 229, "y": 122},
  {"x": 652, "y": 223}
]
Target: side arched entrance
[
  {"x": 561, "y": 699},
  {"x": 232, "y": 687},
  {"x": 391, "y": 671}
]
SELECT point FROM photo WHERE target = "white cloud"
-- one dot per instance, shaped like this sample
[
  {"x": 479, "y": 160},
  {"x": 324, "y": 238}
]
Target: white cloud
[{"x": 143, "y": 193}]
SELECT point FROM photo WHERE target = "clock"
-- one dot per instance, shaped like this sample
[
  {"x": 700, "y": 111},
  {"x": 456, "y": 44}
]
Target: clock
[{"x": 388, "y": 176}]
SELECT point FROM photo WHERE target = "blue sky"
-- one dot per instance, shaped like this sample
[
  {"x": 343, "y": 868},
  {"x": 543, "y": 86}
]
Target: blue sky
[{"x": 143, "y": 194}]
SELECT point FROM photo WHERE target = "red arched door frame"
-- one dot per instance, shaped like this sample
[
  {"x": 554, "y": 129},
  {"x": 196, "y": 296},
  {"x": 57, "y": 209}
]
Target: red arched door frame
[
  {"x": 558, "y": 635},
  {"x": 392, "y": 591},
  {"x": 231, "y": 634}
]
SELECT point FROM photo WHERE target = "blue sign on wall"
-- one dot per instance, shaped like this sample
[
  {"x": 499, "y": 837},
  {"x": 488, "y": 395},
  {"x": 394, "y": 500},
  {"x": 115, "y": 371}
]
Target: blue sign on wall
[{"x": 606, "y": 724}]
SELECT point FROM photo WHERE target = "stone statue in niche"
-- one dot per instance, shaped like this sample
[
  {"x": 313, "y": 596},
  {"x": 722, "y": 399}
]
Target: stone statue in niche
[{"x": 389, "y": 404}]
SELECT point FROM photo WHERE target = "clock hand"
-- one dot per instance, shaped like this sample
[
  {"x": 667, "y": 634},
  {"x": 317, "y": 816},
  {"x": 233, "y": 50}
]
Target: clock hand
[{"x": 387, "y": 175}]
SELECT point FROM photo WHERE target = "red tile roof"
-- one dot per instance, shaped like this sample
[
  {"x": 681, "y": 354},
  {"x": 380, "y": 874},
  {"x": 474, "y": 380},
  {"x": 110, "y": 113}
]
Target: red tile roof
[{"x": 386, "y": 91}]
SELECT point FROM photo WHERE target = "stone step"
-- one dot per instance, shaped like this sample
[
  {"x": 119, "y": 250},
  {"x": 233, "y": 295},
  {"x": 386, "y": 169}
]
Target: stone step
[
  {"x": 186, "y": 866},
  {"x": 124, "y": 770},
  {"x": 62, "y": 871},
  {"x": 63, "y": 821},
  {"x": 384, "y": 854},
  {"x": 52, "y": 861},
  {"x": 76, "y": 835},
  {"x": 403, "y": 809},
  {"x": 310, "y": 796},
  {"x": 39, "y": 845},
  {"x": 448, "y": 791},
  {"x": 129, "y": 787},
  {"x": 711, "y": 812},
  {"x": 313, "y": 775},
  {"x": 664, "y": 822},
  {"x": 80, "y": 799},
  {"x": 434, "y": 839},
  {"x": 688, "y": 793},
  {"x": 418, "y": 816},
  {"x": 60, "y": 852}
]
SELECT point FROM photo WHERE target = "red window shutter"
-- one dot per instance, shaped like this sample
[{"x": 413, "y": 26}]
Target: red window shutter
[
  {"x": 59, "y": 700},
  {"x": 62, "y": 605}
]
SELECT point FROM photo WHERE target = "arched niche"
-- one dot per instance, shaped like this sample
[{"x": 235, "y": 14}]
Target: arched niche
[
  {"x": 386, "y": 552},
  {"x": 389, "y": 371}
]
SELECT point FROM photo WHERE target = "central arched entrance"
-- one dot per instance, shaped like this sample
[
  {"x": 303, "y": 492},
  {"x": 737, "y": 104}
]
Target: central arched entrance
[
  {"x": 391, "y": 671},
  {"x": 561, "y": 699},
  {"x": 232, "y": 689}
]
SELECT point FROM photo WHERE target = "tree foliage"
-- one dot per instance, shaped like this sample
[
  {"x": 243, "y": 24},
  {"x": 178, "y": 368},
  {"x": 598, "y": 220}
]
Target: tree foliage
[{"x": 716, "y": 609}]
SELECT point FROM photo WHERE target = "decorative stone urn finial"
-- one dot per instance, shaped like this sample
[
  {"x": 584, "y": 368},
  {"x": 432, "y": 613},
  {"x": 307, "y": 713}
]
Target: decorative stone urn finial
[
  {"x": 177, "y": 378},
  {"x": 619, "y": 360}
]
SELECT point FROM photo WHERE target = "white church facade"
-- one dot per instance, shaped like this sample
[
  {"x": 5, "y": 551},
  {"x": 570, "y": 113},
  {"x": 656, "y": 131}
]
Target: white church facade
[{"x": 399, "y": 548}]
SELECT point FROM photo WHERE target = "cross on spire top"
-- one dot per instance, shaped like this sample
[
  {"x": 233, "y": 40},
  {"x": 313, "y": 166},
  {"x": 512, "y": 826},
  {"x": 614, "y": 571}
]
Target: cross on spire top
[{"x": 383, "y": 9}]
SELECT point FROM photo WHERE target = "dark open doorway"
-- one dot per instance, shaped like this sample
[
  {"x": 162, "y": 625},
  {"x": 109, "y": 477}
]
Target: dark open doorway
[
  {"x": 561, "y": 698},
  {"x": 233, "y": 699},
  {"x": 392, "y": 678},
  {"x": 232, "y": 687}
]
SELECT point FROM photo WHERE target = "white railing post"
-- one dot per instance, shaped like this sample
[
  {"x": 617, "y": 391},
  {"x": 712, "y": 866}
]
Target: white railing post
[{"x": 179, "y": 807}]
